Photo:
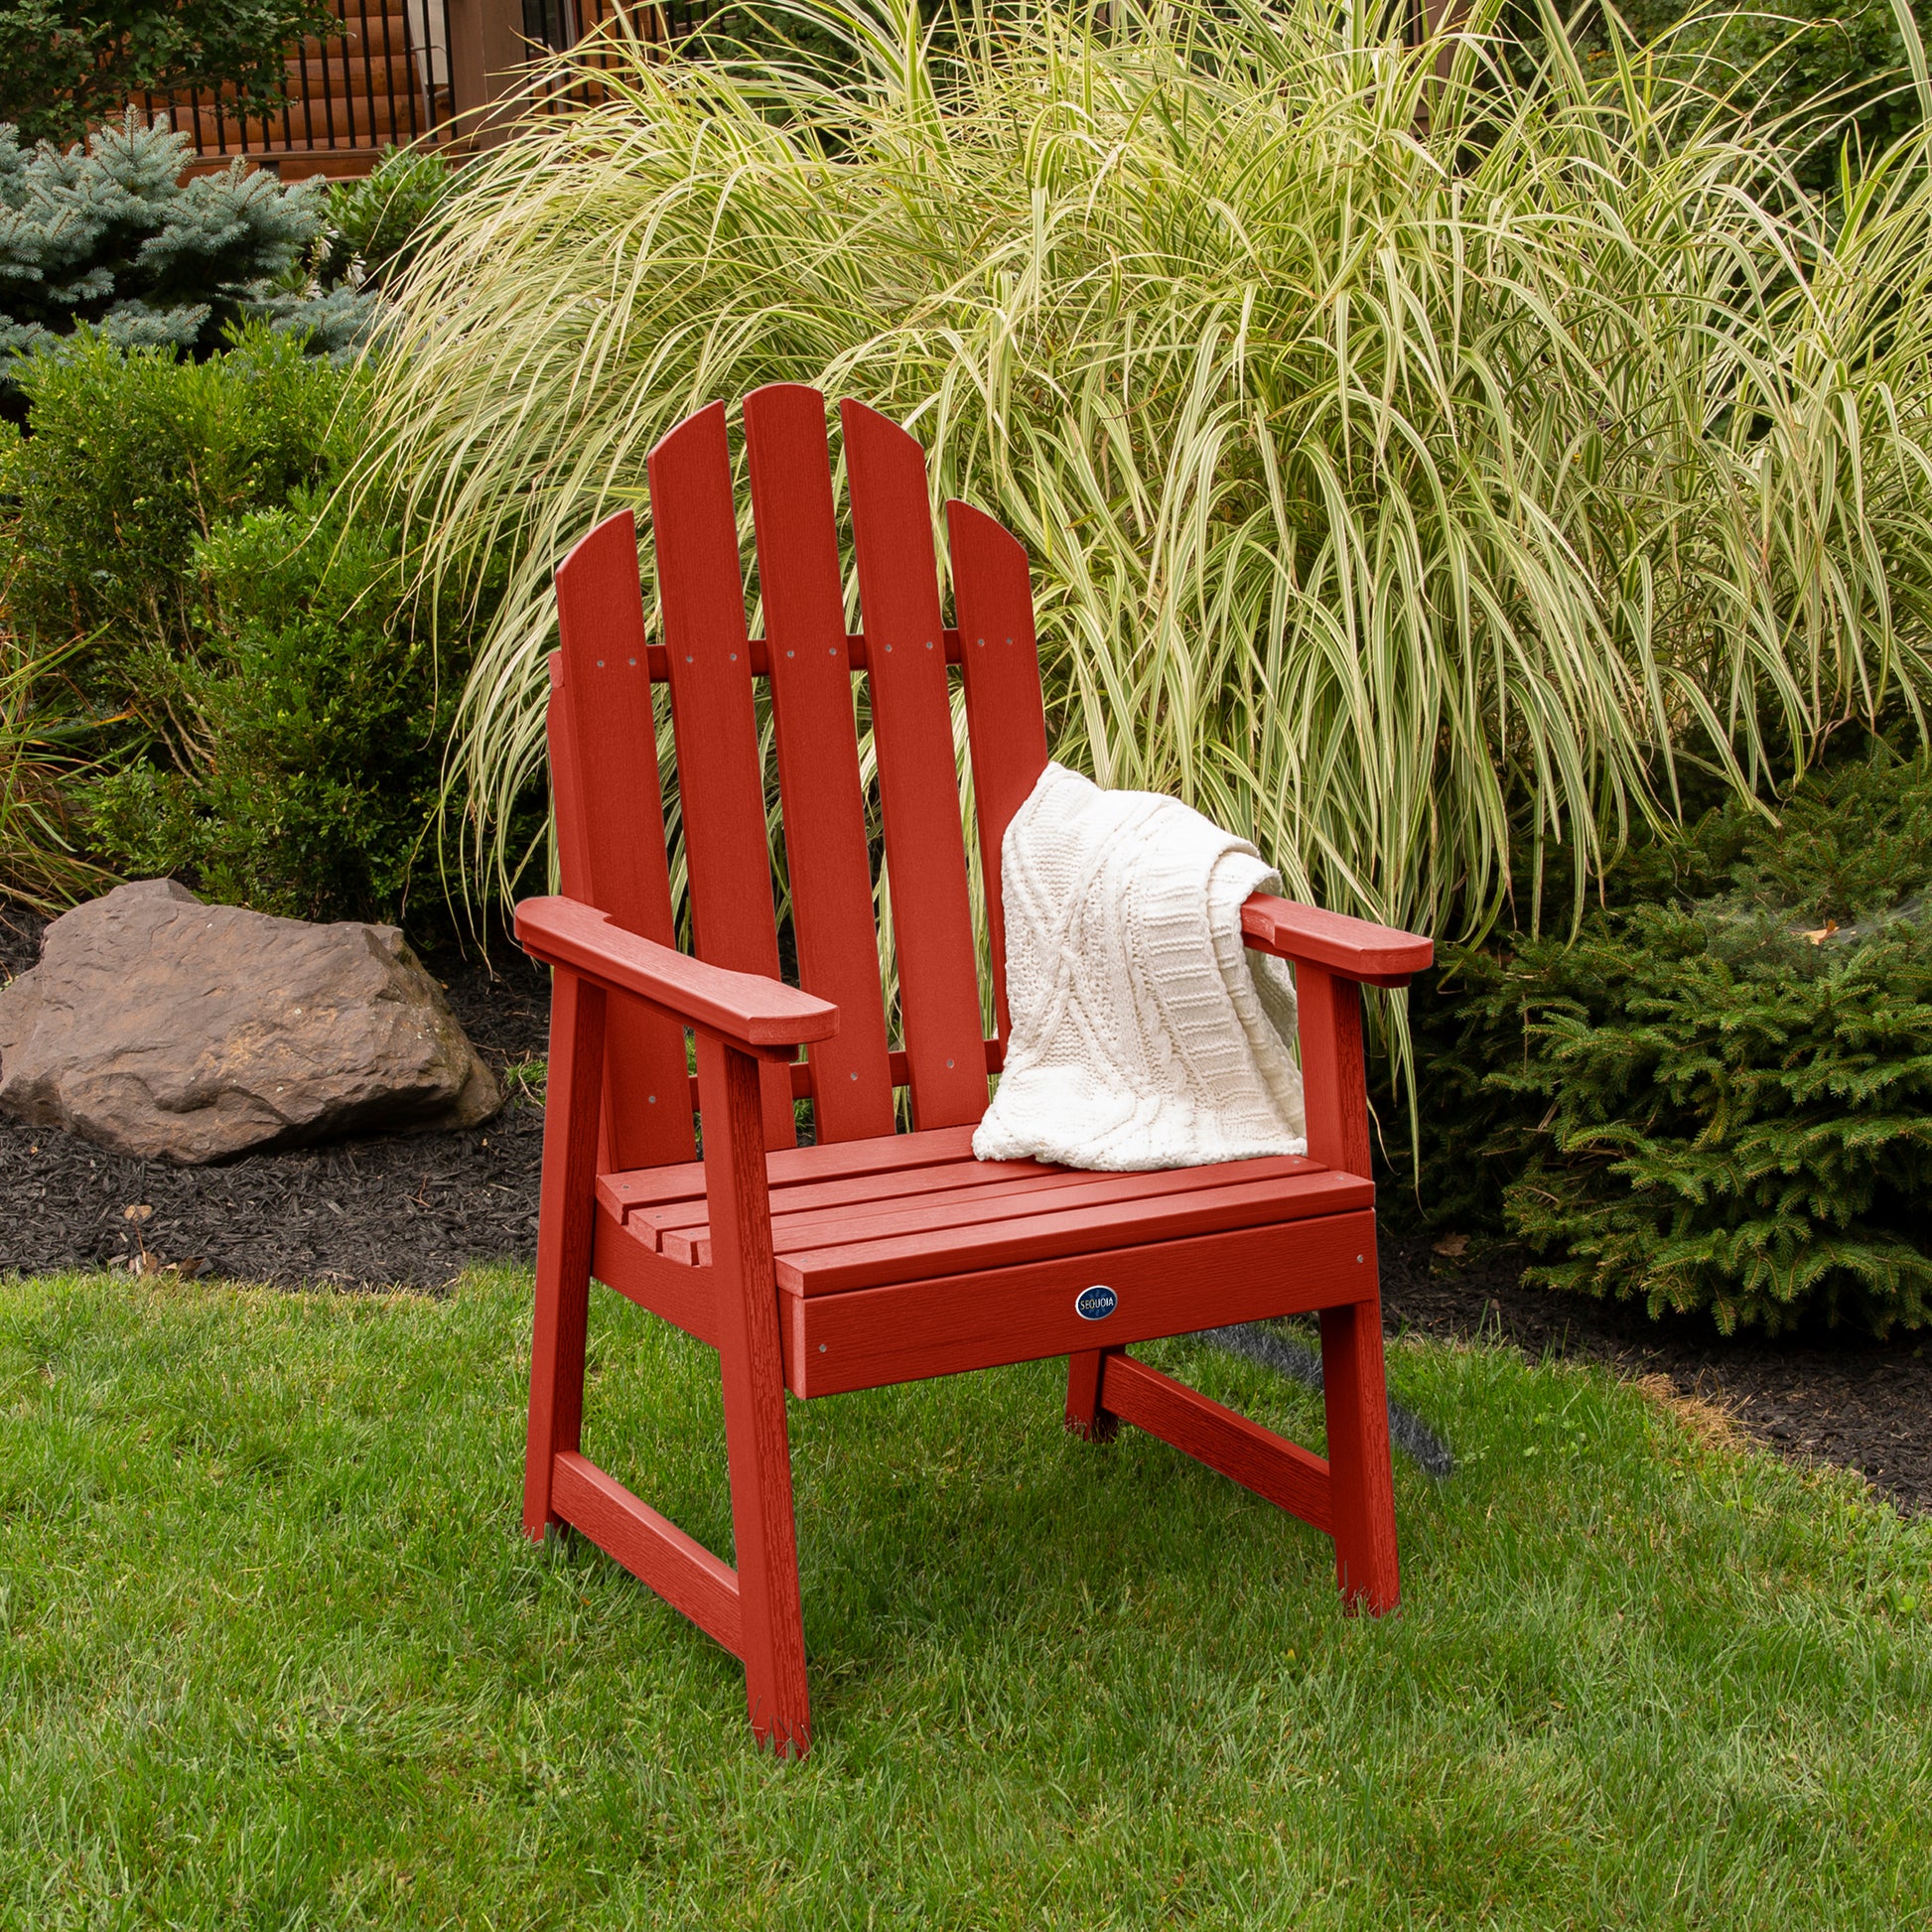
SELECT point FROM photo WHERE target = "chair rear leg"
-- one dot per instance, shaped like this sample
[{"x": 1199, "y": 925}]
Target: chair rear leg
[
  {"x": 1362, "y": 1483},
  {"x": 1084, "y": 1414},
  {"x": 751, "y": 1356},
  {"x": 566, "y": 1230}
]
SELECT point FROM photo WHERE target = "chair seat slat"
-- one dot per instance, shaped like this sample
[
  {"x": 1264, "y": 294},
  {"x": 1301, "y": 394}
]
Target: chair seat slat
[
  {"x": 1088, "y": 1230},
  {"x": 1006, "y": 1201},
  {"x": 858, "y": 1192},
  {"x": 796, "y": 1165}
]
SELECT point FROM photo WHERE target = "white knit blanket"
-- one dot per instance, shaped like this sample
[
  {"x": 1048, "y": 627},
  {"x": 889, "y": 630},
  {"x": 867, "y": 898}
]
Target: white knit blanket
[{"x": 1145, "y": 1032}]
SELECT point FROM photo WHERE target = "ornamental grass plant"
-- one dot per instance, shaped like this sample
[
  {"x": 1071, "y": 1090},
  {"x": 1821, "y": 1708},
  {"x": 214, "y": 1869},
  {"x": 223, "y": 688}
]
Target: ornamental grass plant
[
  {"x": 1417, "y": 465},
  {"x": 39, "y": 864}
]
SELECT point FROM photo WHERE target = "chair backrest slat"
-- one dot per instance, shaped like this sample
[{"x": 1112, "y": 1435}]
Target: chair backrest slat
[
  {"x": 611, "y": 825},
  {"x": 823, "y": 800},
  {"x": 1006, "y": 719},
  {"x": 721, "y": 781},
  {"x": 918, "y": 783},
  {"x": 566, "y": 783}
]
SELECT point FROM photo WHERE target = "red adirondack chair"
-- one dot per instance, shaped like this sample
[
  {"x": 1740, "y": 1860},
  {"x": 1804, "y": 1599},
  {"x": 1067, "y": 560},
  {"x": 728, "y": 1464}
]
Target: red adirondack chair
[{"x": 872, "y": 1256}]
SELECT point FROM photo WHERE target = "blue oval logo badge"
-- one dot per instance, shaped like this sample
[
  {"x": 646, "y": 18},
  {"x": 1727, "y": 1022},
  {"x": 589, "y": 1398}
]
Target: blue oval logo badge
[{"x": 1095, "y": 1303}]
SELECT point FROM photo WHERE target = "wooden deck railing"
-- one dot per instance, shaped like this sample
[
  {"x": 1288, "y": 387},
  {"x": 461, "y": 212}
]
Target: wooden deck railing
[
  {"x": 429, "y": 71},
  {"x": 401, "y": 72}
]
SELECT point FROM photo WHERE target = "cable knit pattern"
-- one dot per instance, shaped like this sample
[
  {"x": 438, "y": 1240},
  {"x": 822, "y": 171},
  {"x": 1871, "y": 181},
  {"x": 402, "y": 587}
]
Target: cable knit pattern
[{"x": 1145, "y": 1032}]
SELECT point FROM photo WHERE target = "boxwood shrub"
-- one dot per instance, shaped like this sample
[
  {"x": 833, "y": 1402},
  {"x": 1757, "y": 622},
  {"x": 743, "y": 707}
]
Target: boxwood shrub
[
  {"x": 132, "y": 457},
  {"x": 310, "y": 724},
  {"x": 265, "y": 706}
]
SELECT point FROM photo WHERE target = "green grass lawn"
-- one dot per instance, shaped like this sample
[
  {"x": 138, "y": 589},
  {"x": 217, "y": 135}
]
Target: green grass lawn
[{"x": 273, "y": 1652}]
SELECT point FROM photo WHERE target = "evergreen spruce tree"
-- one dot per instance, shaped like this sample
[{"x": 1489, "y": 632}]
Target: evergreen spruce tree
[{"x": 110, "y": 238}]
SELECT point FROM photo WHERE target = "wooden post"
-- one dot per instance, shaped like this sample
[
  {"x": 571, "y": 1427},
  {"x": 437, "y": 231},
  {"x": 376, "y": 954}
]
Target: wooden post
[
  {"x": 1438, "y": 20},
  {"x": 487, "y": 46},
  {"x": 1361, "y": 1482}
]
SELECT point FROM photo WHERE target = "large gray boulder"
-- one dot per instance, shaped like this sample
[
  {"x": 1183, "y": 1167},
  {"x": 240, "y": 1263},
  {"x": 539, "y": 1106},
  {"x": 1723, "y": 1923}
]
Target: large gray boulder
[{"x": 175, "y": 1030}]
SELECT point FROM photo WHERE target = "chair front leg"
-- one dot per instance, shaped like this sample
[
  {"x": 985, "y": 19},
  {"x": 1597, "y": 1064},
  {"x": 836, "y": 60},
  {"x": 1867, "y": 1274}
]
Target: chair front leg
[
  {"x": 751, "y": 1359},
  {"x": 566, "y": 1230},
  {"x": 1361, "y": 1481},
  {"x": 1335, "y": 1081}
]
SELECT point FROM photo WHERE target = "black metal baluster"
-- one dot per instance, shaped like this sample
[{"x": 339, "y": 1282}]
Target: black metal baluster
[
  {"x": 369, "y": 71},
  {"x": 349, "y": 82},
  {"x": 287, "y": 126},
  {"x": 308, "y": 111},
  {"x": 389, "y": 75},
  {"x": 327, "y": 96}
]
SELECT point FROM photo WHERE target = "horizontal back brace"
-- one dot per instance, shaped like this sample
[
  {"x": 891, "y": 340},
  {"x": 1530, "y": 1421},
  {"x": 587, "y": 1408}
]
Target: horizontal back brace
[{"x": 855, "y": 651}]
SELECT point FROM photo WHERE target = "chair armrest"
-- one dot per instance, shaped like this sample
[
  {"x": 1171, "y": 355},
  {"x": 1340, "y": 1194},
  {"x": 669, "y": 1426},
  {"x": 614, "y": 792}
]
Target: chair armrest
[
  {"x": 1352, "y": 949},
  {"x": 747, "y": 1009}
]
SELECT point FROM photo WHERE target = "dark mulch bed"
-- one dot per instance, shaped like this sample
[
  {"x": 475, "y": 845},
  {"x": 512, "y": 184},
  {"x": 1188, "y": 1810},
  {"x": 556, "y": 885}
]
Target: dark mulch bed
[
  {"x": 404, "y": 1210},
  {"x": 1819, "y": 1397},
  {"x": 412, "y": 1211}
]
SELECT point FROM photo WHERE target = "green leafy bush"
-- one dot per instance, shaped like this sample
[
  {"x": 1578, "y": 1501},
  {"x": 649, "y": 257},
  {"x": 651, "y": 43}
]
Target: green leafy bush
[
  {"x": 110, "y": 238},
  {"x": 1825, "y": 68},
  {"x": 1719, "y": 1096},
  {"x": 379, "y": 225},
  {"x": 64, "y": 68},
  {"x": 133, "y": 457},
  {"x": 307, "y": 725},
  {"x": 269, "y": 709}
]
